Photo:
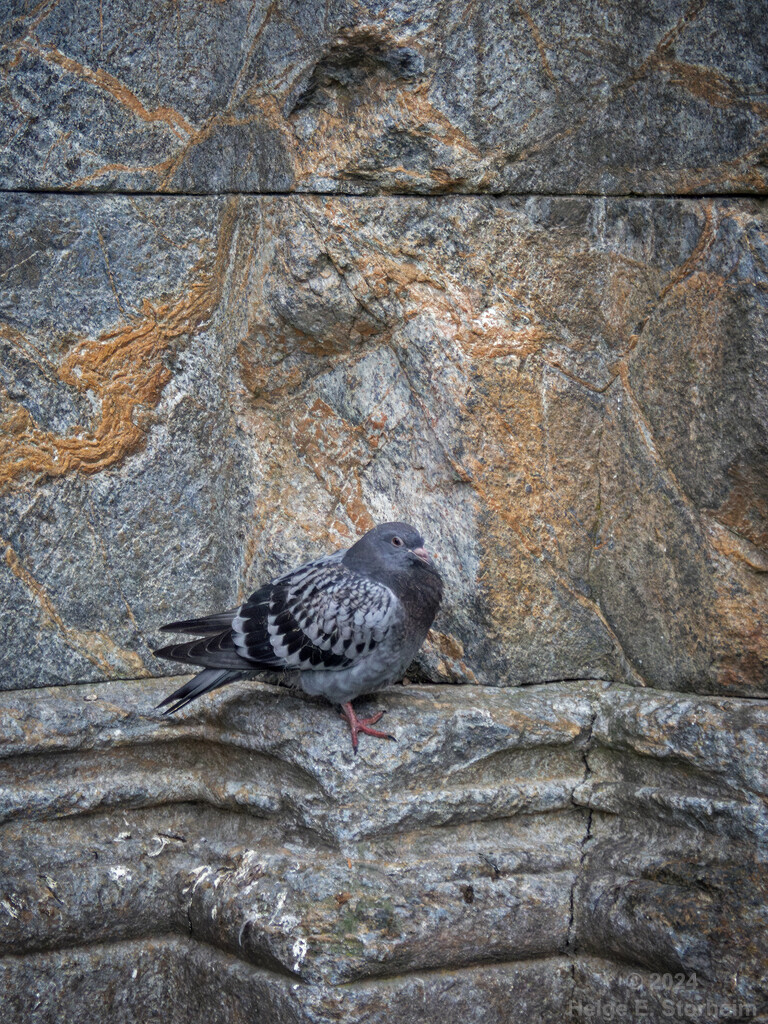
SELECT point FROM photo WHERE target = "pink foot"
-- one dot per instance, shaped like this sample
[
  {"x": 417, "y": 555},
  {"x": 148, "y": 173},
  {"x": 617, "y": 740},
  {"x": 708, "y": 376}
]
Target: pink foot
[{"x": 357, "y": 725}]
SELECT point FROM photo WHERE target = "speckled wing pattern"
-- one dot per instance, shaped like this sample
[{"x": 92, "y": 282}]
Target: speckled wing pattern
[{"x": 320, "y": 616}]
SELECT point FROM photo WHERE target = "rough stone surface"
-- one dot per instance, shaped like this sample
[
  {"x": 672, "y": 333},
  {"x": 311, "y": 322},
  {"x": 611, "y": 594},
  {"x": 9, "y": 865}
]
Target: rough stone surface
[
  {"x": 549, "y": 96},
  {"x": 410, "y": 260},
  {"x": 569, "y": 396},
  {"x": 501, "y": 828}
]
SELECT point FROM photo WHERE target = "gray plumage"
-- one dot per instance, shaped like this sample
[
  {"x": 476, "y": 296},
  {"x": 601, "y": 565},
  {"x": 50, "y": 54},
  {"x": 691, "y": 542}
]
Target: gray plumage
[{"x": 347, "y": 624}]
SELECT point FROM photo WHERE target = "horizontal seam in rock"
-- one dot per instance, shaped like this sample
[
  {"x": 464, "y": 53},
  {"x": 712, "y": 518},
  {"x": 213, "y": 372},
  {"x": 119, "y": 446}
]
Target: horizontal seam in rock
[
  {"x": 165, "y": 936},
  {"x": 602, "y": 684},
  {"x": 317, "y": 840},
  {"x": 371, "y": 980},
  {"x": 490, "y": 194}
]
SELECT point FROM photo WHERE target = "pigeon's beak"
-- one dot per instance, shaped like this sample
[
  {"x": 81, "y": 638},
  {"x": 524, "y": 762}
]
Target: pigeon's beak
[{"x": 421, "y": 553}]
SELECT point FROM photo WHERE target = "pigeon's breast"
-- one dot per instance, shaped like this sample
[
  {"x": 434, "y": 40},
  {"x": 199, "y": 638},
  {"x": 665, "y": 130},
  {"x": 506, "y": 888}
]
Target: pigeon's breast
[{"x": 384, "y": 665}]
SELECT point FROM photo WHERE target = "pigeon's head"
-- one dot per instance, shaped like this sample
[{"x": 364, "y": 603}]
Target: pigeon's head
[{"x": 391, "y": 548}]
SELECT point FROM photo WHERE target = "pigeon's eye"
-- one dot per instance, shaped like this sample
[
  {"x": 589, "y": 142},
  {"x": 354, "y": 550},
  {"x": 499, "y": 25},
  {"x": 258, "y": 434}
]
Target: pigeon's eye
[{"x": 397, "y": 542}]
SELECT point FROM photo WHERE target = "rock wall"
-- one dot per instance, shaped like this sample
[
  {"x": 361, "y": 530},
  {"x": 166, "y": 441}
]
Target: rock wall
[
  {"x": 273, "y": 273},
  {"x": 663, "y": 97}
]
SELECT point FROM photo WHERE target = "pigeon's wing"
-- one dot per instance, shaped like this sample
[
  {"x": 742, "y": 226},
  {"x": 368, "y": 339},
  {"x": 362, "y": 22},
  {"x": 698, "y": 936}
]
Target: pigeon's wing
[
  {"x": 320, "y": 616},
  {"x": 216, "y": 646}
]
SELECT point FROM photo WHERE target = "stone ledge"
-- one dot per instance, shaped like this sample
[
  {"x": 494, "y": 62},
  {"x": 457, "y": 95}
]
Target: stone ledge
[{"x": 504, "y": 825}]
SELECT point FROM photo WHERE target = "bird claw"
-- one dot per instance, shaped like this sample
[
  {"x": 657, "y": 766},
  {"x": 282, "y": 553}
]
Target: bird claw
[{"x": 358, "y": 725}]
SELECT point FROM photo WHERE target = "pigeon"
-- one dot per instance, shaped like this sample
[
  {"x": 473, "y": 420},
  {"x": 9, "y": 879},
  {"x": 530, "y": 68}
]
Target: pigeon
[{"x": 348, "y": 623}]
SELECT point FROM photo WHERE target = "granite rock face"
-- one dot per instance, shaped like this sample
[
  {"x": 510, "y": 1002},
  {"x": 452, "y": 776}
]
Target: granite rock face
[
  {"x": 270, "y": 273},
  {"x": 551, "y": 96},
  {"x": 569, "y": 395}
]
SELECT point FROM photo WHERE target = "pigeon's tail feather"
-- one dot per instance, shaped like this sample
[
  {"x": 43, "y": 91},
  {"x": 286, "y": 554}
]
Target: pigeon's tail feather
[
  {"x": 205, "y": 681},
  {"x": 204, "y": 626},
  {"x": 215, "y": 651}
]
